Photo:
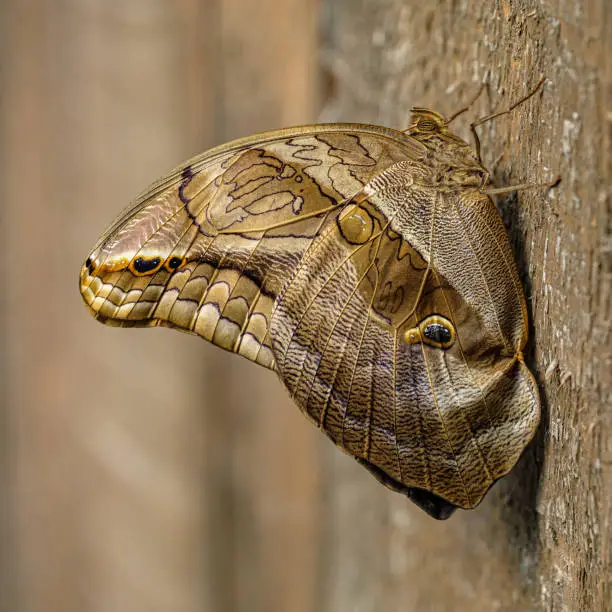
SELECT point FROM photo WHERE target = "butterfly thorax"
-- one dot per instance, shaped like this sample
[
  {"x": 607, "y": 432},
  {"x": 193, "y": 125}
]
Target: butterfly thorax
[{"x": 452, "y": 162}]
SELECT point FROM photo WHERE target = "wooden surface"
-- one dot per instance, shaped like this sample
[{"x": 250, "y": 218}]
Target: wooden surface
[
  {"x": 542, "y": 538},
  {"x": 146, "y": 470}
]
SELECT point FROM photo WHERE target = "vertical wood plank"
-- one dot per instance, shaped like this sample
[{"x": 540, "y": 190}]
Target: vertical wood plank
[
  {"x": 145, "y": 469},
  {"x": 106, "y": 427}
]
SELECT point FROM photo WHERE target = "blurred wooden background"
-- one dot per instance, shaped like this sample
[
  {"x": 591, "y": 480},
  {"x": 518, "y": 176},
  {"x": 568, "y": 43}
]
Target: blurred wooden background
[{"x": 145, "y": 470}]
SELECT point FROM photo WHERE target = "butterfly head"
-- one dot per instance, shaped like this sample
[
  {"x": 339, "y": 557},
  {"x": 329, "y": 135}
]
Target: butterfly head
[
  {"x": 456, "y": 159},
  {"x": 427, "y": 123}
]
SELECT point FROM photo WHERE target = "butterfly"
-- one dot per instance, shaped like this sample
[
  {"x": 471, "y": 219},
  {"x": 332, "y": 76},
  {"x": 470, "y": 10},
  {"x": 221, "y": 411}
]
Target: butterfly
[{"x": 369, "y": 269}]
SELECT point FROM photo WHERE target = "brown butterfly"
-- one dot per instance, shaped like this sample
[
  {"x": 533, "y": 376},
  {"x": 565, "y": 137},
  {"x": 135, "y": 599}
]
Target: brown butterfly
[{"x": 369, "y": 268}]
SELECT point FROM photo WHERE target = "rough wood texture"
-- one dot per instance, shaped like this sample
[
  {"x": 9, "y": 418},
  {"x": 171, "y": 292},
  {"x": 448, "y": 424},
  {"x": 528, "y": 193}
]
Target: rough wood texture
[{"x": 542, "y": 538}]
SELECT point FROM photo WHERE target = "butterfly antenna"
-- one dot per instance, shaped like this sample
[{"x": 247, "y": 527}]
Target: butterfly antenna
[
  {"x": 468, "y": 105},
  {"x": 492, "y": 116}
]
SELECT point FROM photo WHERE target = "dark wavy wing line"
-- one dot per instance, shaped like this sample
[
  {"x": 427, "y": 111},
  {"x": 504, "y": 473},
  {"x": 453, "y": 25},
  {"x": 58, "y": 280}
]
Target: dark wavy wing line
[
  {"x": 172, "y": 179},
  {"x": 133, "y": 211}
]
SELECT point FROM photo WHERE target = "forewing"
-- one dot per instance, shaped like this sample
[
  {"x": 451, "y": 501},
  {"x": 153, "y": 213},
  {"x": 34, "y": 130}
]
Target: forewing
[{"x": 208, "y": 248}]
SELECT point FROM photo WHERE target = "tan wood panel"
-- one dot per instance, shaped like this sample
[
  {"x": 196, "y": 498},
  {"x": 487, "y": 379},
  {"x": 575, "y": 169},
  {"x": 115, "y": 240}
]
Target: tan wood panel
[
  {"x": 146, "y": 471},
  {"x": 105, "y": 505}
]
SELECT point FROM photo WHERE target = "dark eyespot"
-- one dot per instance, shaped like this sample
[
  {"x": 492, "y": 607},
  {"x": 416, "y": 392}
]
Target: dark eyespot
[
  {"x": 89, "y": 264},
  {"x": 145, "y": 265},
  {"x": 174, "y": 263},
  {"x": 436, "y": 332}
]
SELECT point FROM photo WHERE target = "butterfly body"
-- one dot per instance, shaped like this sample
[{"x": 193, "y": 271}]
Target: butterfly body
[{"x": 367, "y": 268}]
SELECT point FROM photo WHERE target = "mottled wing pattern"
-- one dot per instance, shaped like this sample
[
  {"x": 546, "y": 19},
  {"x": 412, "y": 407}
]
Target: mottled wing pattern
[{"x": 208, "y": 248}]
